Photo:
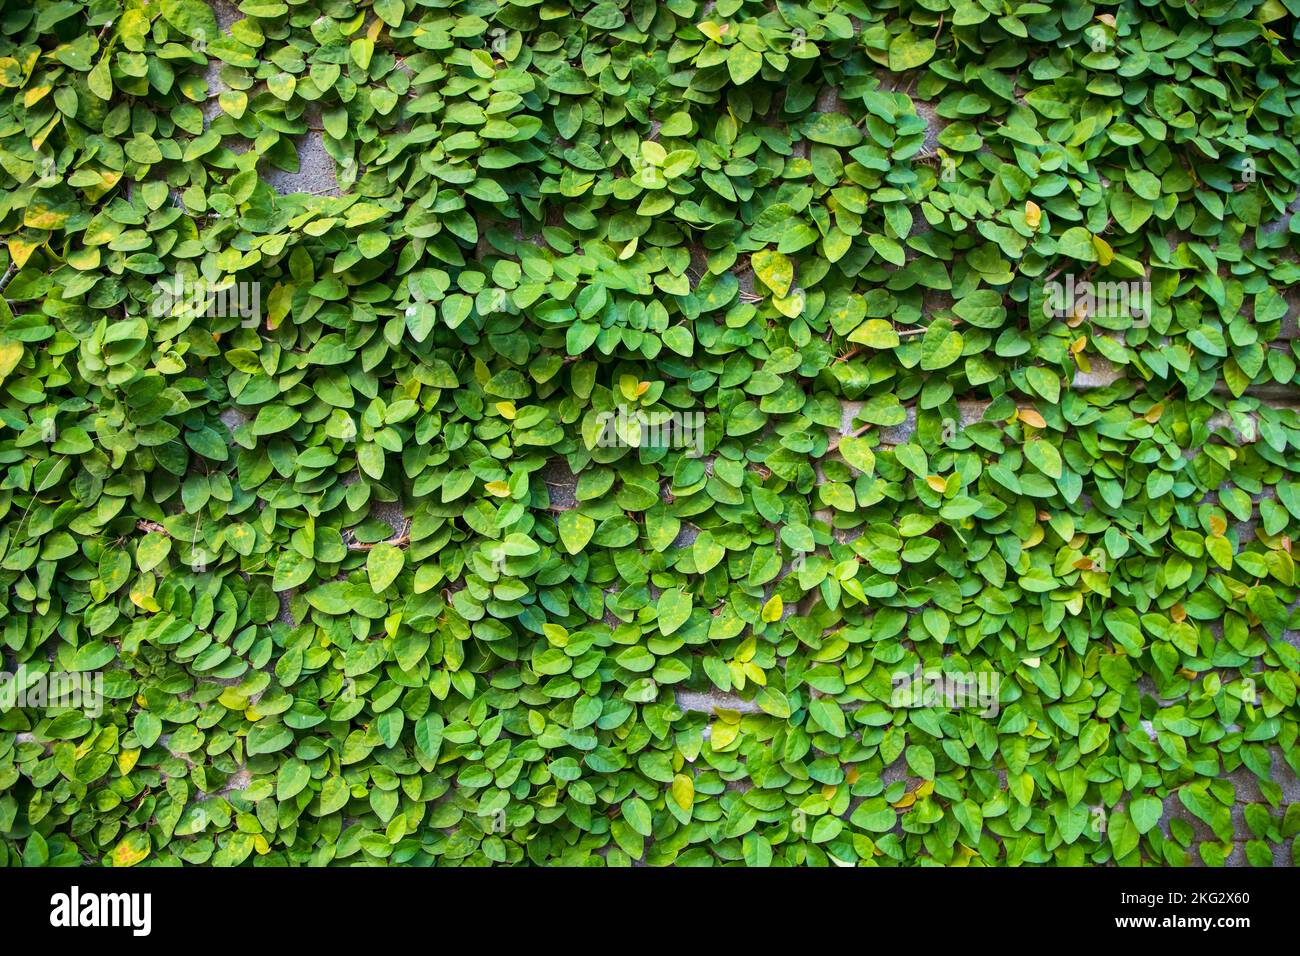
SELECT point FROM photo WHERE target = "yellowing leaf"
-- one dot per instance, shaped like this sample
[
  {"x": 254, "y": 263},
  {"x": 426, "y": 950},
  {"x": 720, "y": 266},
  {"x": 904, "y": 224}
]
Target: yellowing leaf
[
  {"x": 11, "y": 353},
  {"x": 277, "y": 304},
  {"x": 1031, "y": 417},
  {"x": 232, "y": 699},
  {"x": 1033, "y": 214},
  {"x": 131, "y": 849},
  {"x": 576, "y": 530},
  {"x": 774, "y": 270},
  {"x": 684, "y": 791},
  {"x": 498, "y": 488},
  {"x": 937, "y": 482},
  {"x": 21, "y": 249},
  {"x": 721, "y": 734},
  {"x": 773, "y": 609},
  {"x": 1105, "y": 254},
  {"x": 126, "y": 760}
]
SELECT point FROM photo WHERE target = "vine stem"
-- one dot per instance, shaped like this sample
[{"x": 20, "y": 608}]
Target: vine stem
[{"x": 400, "y": 541}]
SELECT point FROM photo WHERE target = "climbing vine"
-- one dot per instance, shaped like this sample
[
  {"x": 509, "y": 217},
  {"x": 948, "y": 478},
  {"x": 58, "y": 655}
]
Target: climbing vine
[{"x": 569, "y": 432}]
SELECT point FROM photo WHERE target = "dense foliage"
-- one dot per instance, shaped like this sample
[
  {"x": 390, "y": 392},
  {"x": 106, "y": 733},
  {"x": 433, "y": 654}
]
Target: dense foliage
[{"x": 372, "y": 578}]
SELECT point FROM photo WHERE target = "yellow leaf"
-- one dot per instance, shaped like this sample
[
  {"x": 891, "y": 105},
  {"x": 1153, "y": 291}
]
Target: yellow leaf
[
  {"x": 126, "y": 760},
  {"x": 498, "y": 488},
  {"x": 107, "y": 179},
  {"x": 774, "y": 270},
  {"x": 1030, "y": 416},
  {"x": 1033, "y": 214},
  {"x": 232, "y": 699},
  {"x": 684, "y": 791},
  {"x": 33, "y": 95},
  {"x": 21, "y": 249},
  {"x": 41, "y": 215},
  {"x": 11, "y": 353},
  {"x": 131, "y": 849},
  {"x": 1217, "y": 525},
  {"x": 1270, "y": 11},
  {"x": 792, "y": 305},
  {"x": 773, "y": 609},
  {"x": 1105, "y": 254},
  {"x": 936, "y": 482},
  {"x": 277, "y": 304},
  {"x": 143, "y": 600},
  {"x": 722, "y": 734},
  {"x": 506, "y": 410},
  {"x": 737, "y": 672}
]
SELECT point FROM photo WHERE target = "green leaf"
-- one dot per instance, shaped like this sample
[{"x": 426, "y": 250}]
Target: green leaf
[
  {"x": 384, "y": 564},
  {"x": 673, "y": 609},
  {"x": 575, "y": 530},
  {"x": 907, "y": 52},
  {"x": 1044, "y": 456},
  {"x": 193, "y": 18},
  {"x": 773, "y": 702},
  {"x": 941, "y": 345},
  {"x": 1145, "y": 812},
  {"x": 743, "y": 63}
]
